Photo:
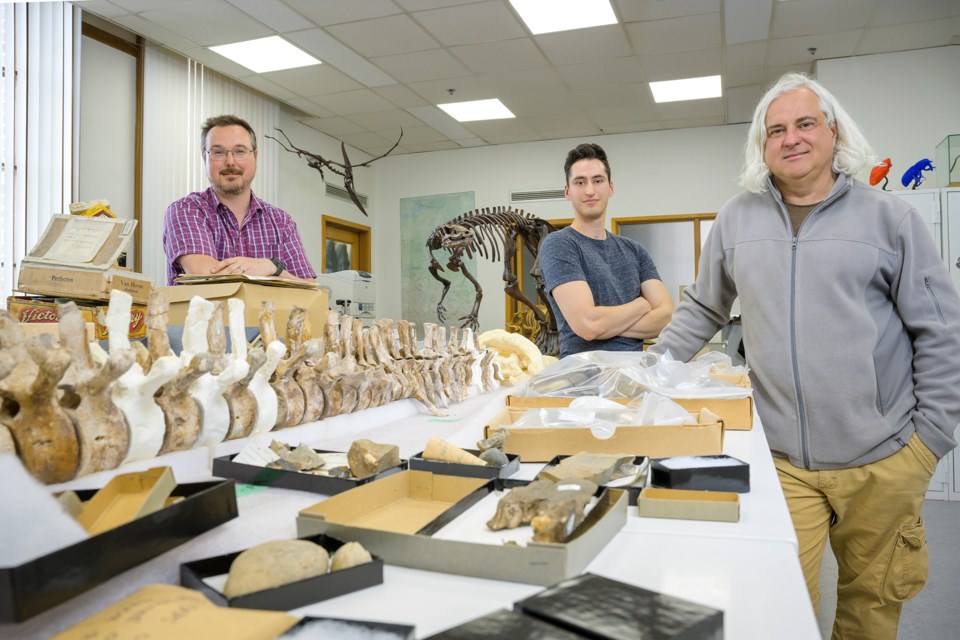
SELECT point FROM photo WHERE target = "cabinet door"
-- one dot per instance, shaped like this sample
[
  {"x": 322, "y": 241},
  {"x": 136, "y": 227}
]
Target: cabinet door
[{"x": 927, "y": 204}]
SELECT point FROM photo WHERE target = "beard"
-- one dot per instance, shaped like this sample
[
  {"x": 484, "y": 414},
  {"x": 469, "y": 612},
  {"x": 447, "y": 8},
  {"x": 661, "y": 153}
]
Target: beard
[{"x": 231, "y": 188}]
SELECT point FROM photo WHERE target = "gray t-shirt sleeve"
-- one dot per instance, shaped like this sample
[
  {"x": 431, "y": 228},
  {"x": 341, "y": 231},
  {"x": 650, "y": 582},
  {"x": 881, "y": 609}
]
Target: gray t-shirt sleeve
[{"x": 560, "y": 261}]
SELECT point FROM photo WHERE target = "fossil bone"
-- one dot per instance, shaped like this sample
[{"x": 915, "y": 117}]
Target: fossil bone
[
  {"x": 102, "y": 431},
  {"x": 559, "y": 506}
]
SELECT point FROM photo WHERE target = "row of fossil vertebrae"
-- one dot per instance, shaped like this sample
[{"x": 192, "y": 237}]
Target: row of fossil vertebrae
[{"x": 75, "y": 409}]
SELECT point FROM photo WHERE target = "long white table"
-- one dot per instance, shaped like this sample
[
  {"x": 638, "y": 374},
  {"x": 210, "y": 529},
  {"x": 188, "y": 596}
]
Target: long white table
[{"x": 748, "y": 569}]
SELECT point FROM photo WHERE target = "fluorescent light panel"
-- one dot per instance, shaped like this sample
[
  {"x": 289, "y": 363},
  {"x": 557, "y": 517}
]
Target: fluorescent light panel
[
  {"x": 266, "y": 54},
  {"x": 542, "y": 16},
  {"x": 687, "y": 89},
  {"x": 477, "y": 110}
]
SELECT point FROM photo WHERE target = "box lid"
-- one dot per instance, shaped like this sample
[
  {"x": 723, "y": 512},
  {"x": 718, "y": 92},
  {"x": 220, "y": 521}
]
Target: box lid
[{"x": 81, "y": 242}]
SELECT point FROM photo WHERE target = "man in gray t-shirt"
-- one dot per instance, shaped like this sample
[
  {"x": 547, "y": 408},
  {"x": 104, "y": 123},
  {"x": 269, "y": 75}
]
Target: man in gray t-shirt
[{"x": 604, "y": 289}]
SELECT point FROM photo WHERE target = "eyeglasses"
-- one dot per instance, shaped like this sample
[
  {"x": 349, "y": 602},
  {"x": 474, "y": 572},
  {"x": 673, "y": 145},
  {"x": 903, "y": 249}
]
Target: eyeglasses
[{"x": 239, "y": 153}]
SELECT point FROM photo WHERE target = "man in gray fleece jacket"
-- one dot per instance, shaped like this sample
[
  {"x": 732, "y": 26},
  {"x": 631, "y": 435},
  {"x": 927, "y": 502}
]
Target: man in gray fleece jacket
[{"x": 851, "y": 327}]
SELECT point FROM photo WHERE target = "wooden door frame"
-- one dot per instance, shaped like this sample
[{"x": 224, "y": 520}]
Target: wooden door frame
[
  {"x": 355, "y": 234},
  {"x": 695, "y": 218}
]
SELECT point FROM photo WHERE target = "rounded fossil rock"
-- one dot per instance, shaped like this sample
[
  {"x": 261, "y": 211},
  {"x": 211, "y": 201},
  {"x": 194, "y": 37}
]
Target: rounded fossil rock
[
  {"x": 350, "y": 555},
  {"x": 273, "y": 564}
]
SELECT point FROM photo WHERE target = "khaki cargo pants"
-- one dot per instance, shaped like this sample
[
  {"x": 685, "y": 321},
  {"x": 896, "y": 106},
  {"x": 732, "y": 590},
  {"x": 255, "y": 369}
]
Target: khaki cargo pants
[{"x": 872, "y": 516}]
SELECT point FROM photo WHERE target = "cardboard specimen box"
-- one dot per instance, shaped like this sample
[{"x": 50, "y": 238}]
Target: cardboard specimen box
[
  {"x": 683, "y": 504},
  {"x": 397, "y": 516},
  {"x": 420, "y": 463},
  {"x": 606, "y": 609},
  {"x": 541, "y": 444},
  {"x": 126, "y": 497},
  {"x": 166, "y": 611},
  {"x": 35, "y": 586},
  {"x": 284, "y": 297},
  {"x": 196, "y": 575},
  {"x": 225, "y": 467},
  {"x": 46, "y": 310},
  {"x": 701, "y": 473},
  {"x": 736, "y": 413},
  {"x": 77, "y": 256}
]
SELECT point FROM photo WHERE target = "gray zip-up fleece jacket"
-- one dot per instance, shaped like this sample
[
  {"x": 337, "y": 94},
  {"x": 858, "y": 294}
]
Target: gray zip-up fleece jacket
[{"x": 851, "y": 328}]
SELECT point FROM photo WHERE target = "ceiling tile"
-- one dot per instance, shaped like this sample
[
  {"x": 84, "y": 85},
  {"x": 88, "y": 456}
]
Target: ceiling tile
[
  {"x": 543, "y": 103},
  {"x": 819, "y": 16},
  {"x": 327, "y": 12},
  {"x": 422, "y": 5},
  {"x": 708, "y": 108},
  {"x": 471, "y": 24},
  {"x": 783, "y": 51},
  {"x": 523, "y": 81},
  {"x": 352, "y": 102},
  {"x": 636, "y": 10},
  {"x": 137, "y": 6},
  {"x": 314, "y": 80},
  {"x": 631, "y": 127},
  {"x": 742, "y": 78},
  {"x": 917, "y": 35},
  {"x": 332, "y": 126},
  {"x": 440, "y": 145},
  {"x": 418, "y": 133},
  {"x": 104, "y": 8},
  {"x": 577, "y": 124},
  {"x": 386, "y": 121},
  {"x": 741, "y": 102},
  {"x": 333, "y": 52},
  {"x": 744, "y": 57},
  {"x": 685, "y": 64},
  {"x": 520, "y": 53},
  {"x": 597, "y": 74},
  {"x": 367, "y": 140},
  {"x": 400, "y": 95},
  {"x": 422, "y": 65},
  {"x": 192, "y": 21},
  {"x": 673, "y": 35},
  {"x": 155, "y": 32},
  {"x": 275, "y": 15},
  {"x": 503, "y": 131},
  {"x": 309, "y": 106},
  {"x": 890, "y": 13},
  {"x": 269, "y": 88},
  {"x": 585, "y": 45},
  {"x": 463, "y": 89},
  {"x": 218, "y": 62},
  {"x": 685, "y": 123},
  {"x": 384, "y": 36}
]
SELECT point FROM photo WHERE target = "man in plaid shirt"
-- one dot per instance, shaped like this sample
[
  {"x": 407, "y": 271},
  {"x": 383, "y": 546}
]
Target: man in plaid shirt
[{"x": 226, "y": 229}]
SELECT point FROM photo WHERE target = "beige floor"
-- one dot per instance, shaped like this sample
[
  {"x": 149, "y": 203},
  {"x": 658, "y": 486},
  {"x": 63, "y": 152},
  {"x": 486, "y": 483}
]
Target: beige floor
[{"x": 934, "y": 614}]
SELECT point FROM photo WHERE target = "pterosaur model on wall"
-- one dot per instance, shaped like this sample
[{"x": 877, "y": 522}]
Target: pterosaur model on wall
[
  {"x": 344, "y": 169},
  {"x": 484, "y": 232}
]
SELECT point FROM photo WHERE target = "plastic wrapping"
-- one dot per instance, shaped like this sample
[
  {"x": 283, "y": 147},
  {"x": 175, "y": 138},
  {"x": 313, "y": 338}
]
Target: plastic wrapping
[
  {"x": 602, "y": 416},
  {"x": 627, "y": 374}
]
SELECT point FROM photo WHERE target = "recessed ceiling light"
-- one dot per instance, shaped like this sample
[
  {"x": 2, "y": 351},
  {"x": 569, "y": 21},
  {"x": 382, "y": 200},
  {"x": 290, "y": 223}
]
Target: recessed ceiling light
[
  {"x": 688, "y": 89},
  {"x": 266, "y": 54},
  {"x": 564, "y": 15},
  {"x": 477, "y": 110}
]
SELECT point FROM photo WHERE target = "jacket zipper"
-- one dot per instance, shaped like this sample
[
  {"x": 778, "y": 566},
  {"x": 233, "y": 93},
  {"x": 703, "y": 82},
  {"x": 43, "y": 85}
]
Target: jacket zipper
[
  {"x": 933, "y": 296},
  {"x": 801, "y": 412}
]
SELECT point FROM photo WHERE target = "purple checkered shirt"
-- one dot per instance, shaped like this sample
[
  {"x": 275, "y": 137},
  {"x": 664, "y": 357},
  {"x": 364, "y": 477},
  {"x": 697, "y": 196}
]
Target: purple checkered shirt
[{"x": 200, "y": 223}]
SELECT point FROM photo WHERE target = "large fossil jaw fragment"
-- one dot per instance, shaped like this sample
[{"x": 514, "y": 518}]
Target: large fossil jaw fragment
[
  {"x": 101, "y": 428},
  {"x": 306, "y": 374},
  {"x": 43, "y": 433},
  {"x": 553, "y": 509},
  {"x": 241, "y": 404}
]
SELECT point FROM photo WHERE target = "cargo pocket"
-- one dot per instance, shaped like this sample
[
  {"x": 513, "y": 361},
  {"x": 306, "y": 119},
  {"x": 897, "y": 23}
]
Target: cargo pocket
[{"x": 907, "y": 571}]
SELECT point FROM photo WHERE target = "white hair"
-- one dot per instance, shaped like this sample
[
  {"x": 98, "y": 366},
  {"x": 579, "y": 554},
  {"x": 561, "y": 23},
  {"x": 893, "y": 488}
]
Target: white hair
[{"x": 851, "y": 154}]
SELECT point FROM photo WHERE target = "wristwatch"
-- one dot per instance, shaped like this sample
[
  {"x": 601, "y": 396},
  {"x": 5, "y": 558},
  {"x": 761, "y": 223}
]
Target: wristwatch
[{"x": 279, "y": 265}]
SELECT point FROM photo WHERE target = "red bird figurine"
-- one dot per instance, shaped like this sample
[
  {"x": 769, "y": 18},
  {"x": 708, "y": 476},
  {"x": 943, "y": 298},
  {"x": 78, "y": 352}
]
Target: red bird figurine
[{"x": 879, "y": 172}]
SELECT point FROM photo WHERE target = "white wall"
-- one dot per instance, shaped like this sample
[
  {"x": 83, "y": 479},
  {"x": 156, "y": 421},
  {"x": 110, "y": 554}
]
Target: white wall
[{"x": 906, "y": 103}]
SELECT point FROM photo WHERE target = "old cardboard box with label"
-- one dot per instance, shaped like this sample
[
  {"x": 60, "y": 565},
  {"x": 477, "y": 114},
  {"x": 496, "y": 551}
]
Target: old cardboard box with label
[
  {"x": 542, "y": 444},
  {"x": 399, "y": 516},
  {"x": 77, "y": 258},
  {"x": 736, "y": 413},
  {"x": 46, "y": 310},
  {"x": 284, "y": 298}
]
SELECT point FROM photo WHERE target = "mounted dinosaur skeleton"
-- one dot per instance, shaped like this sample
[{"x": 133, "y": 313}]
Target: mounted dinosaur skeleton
[
  {"x": 343, "y": 169},
  {"x": 484, "y": 231}
]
